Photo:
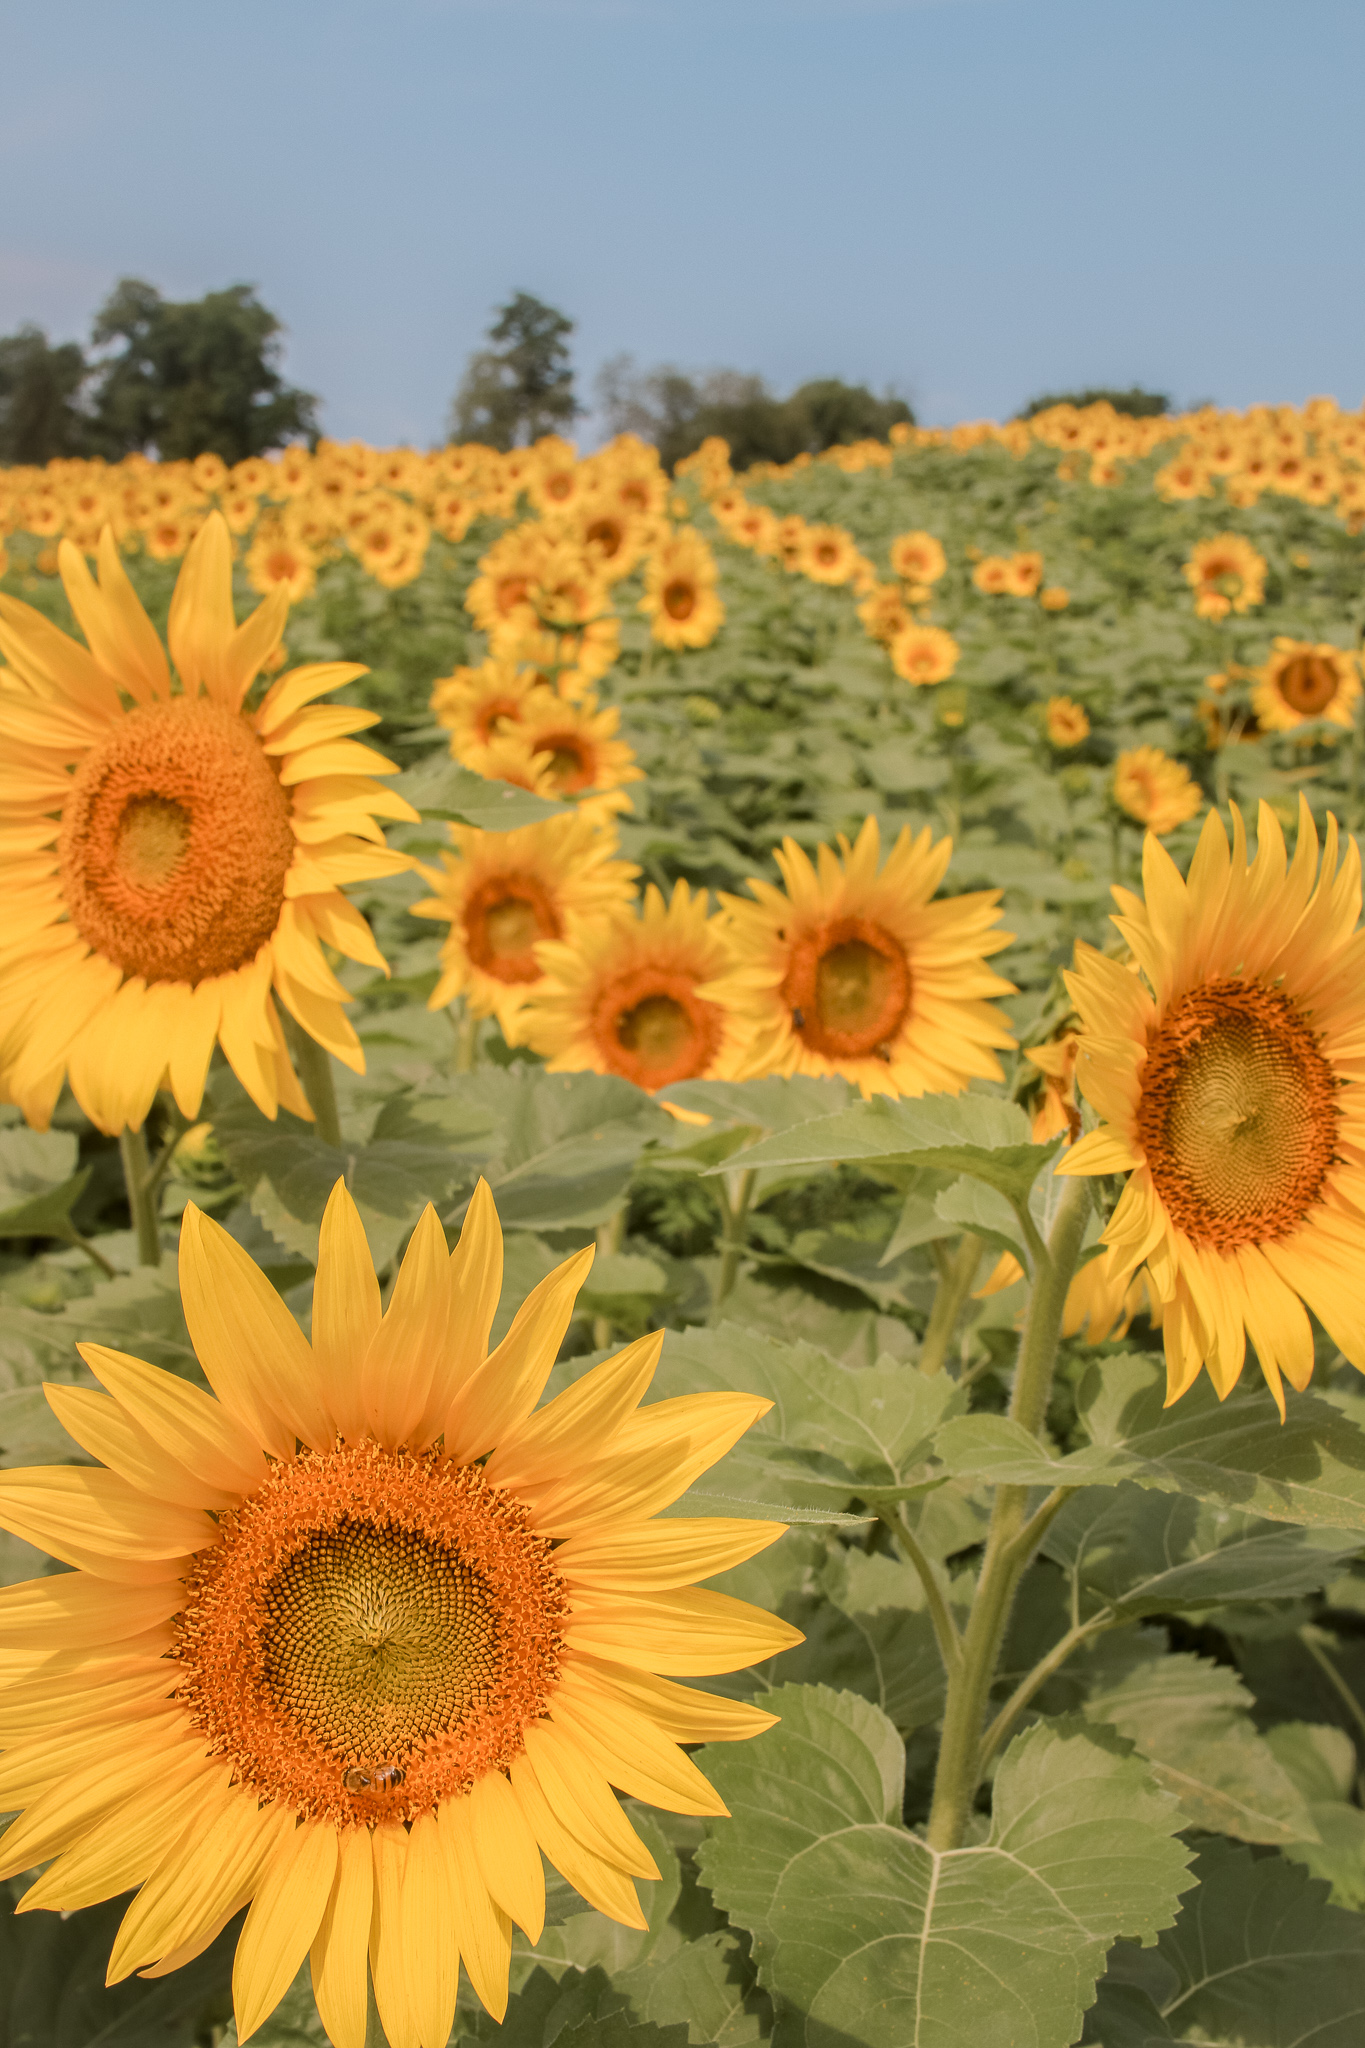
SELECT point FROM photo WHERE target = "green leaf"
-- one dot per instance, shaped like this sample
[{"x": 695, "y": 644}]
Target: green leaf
[
  {"x": 138, "y": 1312},
  {"x": 293, "y": 2024},
  {"x": 1191, "y": 1720},
  {"x": 39, "y": 1182},
  {"x": 707, "y": 1986},
  {"x": 30, "y": 1433},
  {"x": 981, "y": 1135},
  {"x": 868, "y": 1631},
  {"x": 1257, "y": 1957},
  {"x": 1310, "y": 1468},
  {"x": 1321, "y": 1760},
  {"x": 53, "y": 1994},
  {"x": 440, "y": 788},
  {"x": 586, "y": 1938},
  {"x": 832, "y": 1436},
  {"x": 769, "y": 1104},
  {"x": 862, "y": 1932}
]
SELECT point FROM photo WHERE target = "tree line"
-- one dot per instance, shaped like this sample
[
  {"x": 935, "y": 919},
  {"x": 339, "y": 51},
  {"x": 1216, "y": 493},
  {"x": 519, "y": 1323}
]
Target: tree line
[{"x": 183, "y": 378}]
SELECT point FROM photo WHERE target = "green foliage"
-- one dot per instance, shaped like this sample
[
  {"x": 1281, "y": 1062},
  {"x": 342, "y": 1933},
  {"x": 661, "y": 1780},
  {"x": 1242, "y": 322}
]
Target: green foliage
[
  {"x": 521, "y": 387},
  {"x": 41, "y": 415},
  {"x": 192, "y": 377},
  {"x": 677, "y": 412},
  {"x": 1135, "y": 401}
]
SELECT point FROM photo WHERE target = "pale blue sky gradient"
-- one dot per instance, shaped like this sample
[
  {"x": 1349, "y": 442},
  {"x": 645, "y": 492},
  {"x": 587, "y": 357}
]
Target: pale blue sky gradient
[{"x": 972, "y": 200}]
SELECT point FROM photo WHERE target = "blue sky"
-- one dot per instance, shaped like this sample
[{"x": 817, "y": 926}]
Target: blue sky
[{"x": 971, "y": 200}]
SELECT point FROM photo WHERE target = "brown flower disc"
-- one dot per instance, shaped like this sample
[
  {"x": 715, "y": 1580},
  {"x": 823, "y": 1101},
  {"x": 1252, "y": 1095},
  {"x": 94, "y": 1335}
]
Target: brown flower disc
[
  {"x": 503, "y": 919},
  {"x": 848, "y": 988},
  {"x": 651, "y": 1026}
]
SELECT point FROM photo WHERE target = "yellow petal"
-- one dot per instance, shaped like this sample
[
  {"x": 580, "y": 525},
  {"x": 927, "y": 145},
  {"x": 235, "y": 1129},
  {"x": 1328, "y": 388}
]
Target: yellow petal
[
  {"x": 188, "y": 1424},
  {"x": 40, "y": 1706},
  {"x": 301, "y": 686},
  {"x": 505, "y": 1849},
  {"x": 217, "y": 1855},
  {"x": 285, "y": 1914},
  {"x": 651, "y": 1556},
  {"x": 432, "y": 1928},
  {"x": 397, "y": 1373},
  {"x": 475, "y": 1287},
  {"x": 485, "y": 1929},
  {"x": 93, "y": 1777},
  {"x": 52, "y": 661},
  {"x": 583, "y": 1800},
  {"x": 104, "y": 1429},
  {"x": 388, "y": 1951},
  {"x": 654, "y": 1456},
  {"x": 512, "y": 1378},
  {"x": 633, "y": 1754},
  {"x": 192, "y": 1045},
  {"x": 94, "y": 1519},
  {"x": 346, "y": 1311},
  {"x": 601, "y": 1883},
  {"x": 254, "y": 1354},
  {"x": 119, "y": 634},
  {"x": 575, "y": 1425},
  {"x": 340, "y": 1952},
  {"x": 76, "y": 1610},
  {"x": 684, "y": 1713},
  {"x": 120, "y": 1851},
  {"x": 689, "y": 1632},
  {"x": 256, "y": 637},
  {"x": 202, "y": 621},
  {"x": 1103, "y": 1151}
]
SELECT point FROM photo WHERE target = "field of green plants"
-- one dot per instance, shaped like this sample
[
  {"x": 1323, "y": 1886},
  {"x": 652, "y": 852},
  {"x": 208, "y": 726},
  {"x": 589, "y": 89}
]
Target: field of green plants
[{"x": 1127, "y": 1639}]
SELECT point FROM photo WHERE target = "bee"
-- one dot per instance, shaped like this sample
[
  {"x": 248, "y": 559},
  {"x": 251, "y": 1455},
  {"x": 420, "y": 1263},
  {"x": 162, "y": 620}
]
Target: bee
[
  {"x": 798, "y": 1019},
  {"x": 383, "y": 1778}
]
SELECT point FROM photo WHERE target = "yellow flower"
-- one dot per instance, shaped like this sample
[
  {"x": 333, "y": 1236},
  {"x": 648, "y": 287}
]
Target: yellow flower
[
  {"x": 1225, "y": 574},
  {"x": 827, "y": 554},
  {"x": 361, "y": 1637},
  {"x": 171, "y": 861},
  {"x": 1231, "y": 1092},
  {"x": 1155, "y": 790},
  {"x": 502, "y": 892},
  {"x": 1303, "y": 680},
  {"x": 275, "y": 560},
  {"x": 573, "y": 746},
  {"x": 992, "y": 575},
  {"x": 630, "y": 995},
  {"x": 883, "y": 613},
  {"x": 477, "y": 705},
  {"x": 855, "y": 972},
  {"x": 1055, "y": 598},
  {"x": 924, "y": 654},
  {"x": 1025, "y": 573},
  {"x": 1067, "y": 722},
  {"x": 680, "y": 597},
  {"x": 917, "y": 557}
]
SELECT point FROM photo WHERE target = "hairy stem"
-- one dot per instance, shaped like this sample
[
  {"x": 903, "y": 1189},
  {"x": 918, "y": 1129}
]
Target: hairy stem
[
  {"x": 945, "y": 1628},
  {"x": 1003, "y": 1725},
  {"x": 955, "y": 1280},
  {"x": 137, "y": 1179},
  {"x": 960, "y": 1754},
  {"x": 314, "y": 1064},
  {"x": 734, "y": 1192}
]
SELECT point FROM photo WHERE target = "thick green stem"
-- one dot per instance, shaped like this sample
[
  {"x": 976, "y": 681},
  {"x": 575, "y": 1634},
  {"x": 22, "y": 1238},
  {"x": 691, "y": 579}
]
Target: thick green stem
[
  {"x": 960, "y": 1755},
  {"x": 608, "y": 1240},
  {"x": 314, "y": 1064},
  {"x": 734, "y": 1192},
  {"x": 945, "y": 1628},
  {"x": 467, "y": 1040},
  {"x": 141, "y": 1187},
  {"x": 955, "y": 1280}
]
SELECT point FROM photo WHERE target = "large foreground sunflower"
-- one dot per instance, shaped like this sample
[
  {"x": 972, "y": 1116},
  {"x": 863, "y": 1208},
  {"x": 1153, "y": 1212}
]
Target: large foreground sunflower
[
  {"x": 630, "y": 996},
  {"x": 1232, "y": 1088},
  {"x": 354, "y": 1642},
  {"x": 168, "y": 859},
  {"x": 855, "y": 972}
]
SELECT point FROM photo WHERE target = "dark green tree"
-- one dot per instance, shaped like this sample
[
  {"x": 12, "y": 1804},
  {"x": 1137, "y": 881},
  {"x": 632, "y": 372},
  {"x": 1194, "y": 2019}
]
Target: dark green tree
[
  {"x": 1137, "y": 403},
  {"x": 677, "y": 412},
  {"x": 522, "y": 385},
  {"x": 193, "y": 377},
  {"x": 41, "y": 415},
  {"x": 831, "y": 413}
]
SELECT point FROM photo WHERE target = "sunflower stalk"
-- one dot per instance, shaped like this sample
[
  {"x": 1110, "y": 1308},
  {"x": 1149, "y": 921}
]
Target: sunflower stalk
[
  {"x": 608, "y": 1240},
  {"x": 141, "y": 1182},
  {"x": 957, "y": 1272},
  {"x": 466, "y": 1039},
  {"x": 1011, "y": 1540},
  {"x": 734, "y": 1192}
]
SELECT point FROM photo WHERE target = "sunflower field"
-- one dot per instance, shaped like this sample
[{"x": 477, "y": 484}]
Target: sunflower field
[{"x": 682, "y": 1217}]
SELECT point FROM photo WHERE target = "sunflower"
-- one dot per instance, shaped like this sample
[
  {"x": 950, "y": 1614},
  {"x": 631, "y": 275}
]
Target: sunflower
[
  {"x": 625, "y": 998},
  {"x": 1232, "y": 1093},
  {"x": 855, "y": 972},
  {"x": 883, "y": 614},
  {"x": 1055, "y": 598},
  {"x": 569, "y": 661},
  {"x": 478, "y": 704},
  {"x": 1155, "y": 790},
  {"x": 358, "y": 1639},
  {"x": 917, "y": 557},
  {"x": 1025, "y": 573},
  {"x": 277, "y": 561},
  {"x": 828, "y": 554},
  {"x": 1226, "y": 574},
  {"x": 1303, "y": 681},
  {"x": 572, "y": 750},
  {"x": 172, "y": 859},
  {"x": 924, "y": 654},
  {"x": 992, "y": 575},
  {"x": 1067, "y": 722},
  {"x": 502, "y": 892},
  {"x": 505, "y": 574},
  {"x": 680, "y": 596}
]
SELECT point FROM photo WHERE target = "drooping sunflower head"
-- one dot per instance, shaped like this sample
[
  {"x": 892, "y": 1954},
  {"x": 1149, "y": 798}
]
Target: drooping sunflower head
[
  {"x": 1233, "y": 1096},
  {"x": 504, "y": 892},
  {"x": 1304, "y": 680},
  {"x": 852, "y": 968},
  {"x": 352, "y": 1640},
  {"x": 174, "y": 859},
  {"x": 1159, "y": 792},
  {"x": 631, "y": 996}
]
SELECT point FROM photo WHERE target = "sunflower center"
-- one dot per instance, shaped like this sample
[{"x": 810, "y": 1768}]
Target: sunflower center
[
  {"x": 503, "y": 919},
  {"x": 848, "y": 988},
  {"x": 652, "y": 1027},
  {"x": 571, "y": 764},
  {"x": 1238, "y": 1115},
  {"x": 175, "y": 843},
  {"x": 372, "y": 1633},
  {"x": 680, "y": 599},
  {"x": 1308, "y": 684}
]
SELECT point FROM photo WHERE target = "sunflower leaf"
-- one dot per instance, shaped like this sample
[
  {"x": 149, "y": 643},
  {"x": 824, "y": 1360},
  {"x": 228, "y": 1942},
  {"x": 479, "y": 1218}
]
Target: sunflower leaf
[
  {"x": 1000, "y": 1940},
  {"x": 440, "y": 788},
  {"x": 980, "y": 1135},
  {"x": 1257, "y": 1956},
  {"x": 1237, "y": 1453}
]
